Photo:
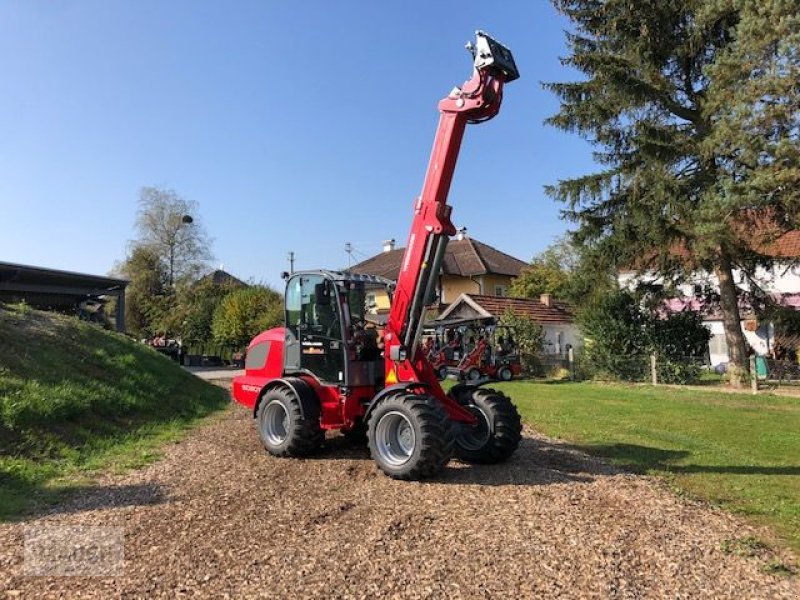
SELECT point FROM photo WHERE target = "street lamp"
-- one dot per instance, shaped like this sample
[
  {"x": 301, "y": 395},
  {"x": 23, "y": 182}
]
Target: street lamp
[{"x": 185, "y": 220}]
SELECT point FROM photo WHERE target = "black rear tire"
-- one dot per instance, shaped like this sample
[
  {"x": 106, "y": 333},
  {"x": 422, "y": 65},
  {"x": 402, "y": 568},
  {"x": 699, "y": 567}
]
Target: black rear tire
[
  {"x": 473, "y": 374},
  {"x": 287, "y": 427},
  {"x": 499, "y": 430},
  {"x": 441, "y": 373},
  {"x": 505, "y": 373},
  {"x": 422, "y": 441}
]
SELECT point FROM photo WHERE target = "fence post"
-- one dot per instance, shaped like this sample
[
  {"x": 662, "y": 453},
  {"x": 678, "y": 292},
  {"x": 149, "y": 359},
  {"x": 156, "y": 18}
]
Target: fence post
[
  {"x": 753, "y": 375},
  {"x": 653, "y": 369}
]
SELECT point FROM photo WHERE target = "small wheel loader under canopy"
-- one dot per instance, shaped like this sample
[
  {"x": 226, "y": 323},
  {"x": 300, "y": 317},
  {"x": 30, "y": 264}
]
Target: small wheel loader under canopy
[{"x": 327, "y": 368}]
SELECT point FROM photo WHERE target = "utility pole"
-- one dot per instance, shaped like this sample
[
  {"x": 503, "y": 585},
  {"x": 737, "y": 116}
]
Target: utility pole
[
  {"x": 348, "y": 247},
  {"x": 291, "y": 263}
]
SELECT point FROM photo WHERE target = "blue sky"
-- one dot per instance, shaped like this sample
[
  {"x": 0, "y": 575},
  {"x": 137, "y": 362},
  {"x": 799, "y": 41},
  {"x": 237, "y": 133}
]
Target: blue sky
[{"x": 295, "y": 126}]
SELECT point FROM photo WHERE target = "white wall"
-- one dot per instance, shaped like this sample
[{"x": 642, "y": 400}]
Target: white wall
[
  {"x": 761, "y": 340},
  {"x": 558, "y": 335},
  {"x": 784, "y": 279}
]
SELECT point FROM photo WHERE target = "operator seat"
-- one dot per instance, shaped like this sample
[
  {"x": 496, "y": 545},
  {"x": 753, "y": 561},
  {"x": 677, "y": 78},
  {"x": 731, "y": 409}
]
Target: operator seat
[{"x": 325, "y": 319}]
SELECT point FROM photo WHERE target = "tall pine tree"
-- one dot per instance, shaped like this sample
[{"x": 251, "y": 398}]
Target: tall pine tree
[{"x": 693, "y": 107}]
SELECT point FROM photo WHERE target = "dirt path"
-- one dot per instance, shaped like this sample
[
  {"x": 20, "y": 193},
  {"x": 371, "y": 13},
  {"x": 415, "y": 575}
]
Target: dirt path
[{"x": 218, "y": 517}]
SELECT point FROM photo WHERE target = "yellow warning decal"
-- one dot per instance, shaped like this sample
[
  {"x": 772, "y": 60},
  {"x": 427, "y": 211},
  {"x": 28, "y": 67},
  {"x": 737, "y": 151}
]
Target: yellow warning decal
[{"x": 391, "y": 377}]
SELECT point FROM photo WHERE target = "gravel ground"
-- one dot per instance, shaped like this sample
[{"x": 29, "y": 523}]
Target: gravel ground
[{"x": 219, "y": 517}]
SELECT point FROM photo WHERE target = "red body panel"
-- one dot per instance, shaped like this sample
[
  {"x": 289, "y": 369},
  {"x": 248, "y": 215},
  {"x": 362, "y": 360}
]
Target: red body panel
[{"x": 247, "y": 387}]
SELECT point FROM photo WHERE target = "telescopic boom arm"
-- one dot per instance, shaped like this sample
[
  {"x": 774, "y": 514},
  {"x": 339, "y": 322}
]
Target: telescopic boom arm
[{"x": 478, "y": 100}]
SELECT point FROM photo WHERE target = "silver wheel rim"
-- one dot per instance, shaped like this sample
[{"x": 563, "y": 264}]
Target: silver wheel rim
[
  {"x": 395, "y": 439},
  {"x": 474, "y": 374},
  {"x": 275, "y": 423},
  {"x": 478, "y": 436},
  {"x": 505, "y": 374}
]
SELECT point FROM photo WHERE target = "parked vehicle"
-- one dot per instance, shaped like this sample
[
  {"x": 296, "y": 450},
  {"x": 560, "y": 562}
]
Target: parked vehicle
[{"x": 325, "y": 370}]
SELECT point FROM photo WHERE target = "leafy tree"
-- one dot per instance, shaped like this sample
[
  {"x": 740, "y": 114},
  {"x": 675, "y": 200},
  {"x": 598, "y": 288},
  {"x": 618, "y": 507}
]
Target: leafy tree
[
  {"x": 244, "y": 313},
  {"x": 566, "y": 271},
  {"x": 539, "y": 278},
  {"x": 614, "y": 327},
  {"x": 692, "y": 107},
  {"x": 148, "y": 282},
  {"x": 194, "y": 310},
  {"x": 169, "y": 225},
  {"x": 680, "y": 341},
  {"x": 529, "y": 337},
  {"x": 528, "y": 334},
  {"x": 621, "y": 333}
]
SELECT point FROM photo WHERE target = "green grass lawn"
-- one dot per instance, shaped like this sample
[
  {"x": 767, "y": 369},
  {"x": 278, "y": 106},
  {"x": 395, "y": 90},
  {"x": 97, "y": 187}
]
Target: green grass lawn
[
  {"x": 741, "y": 452},
  {"x": 75, "y": 399}
]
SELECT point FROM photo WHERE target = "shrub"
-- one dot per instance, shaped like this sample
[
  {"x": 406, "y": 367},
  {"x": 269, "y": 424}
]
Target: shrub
[
  {"x": 621, "y": 335},
  {"x": 244, "y": 313}
]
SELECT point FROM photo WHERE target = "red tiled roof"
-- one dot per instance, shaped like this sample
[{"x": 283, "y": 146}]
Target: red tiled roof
[
  {"x": 466, "y": 258},
  {"x": 557, "y": 312},
  {"x": 759, "y": 230},
  {"x": 786, "y": 246}
]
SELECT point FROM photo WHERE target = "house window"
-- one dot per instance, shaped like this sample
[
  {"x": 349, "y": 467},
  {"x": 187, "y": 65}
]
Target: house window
[
  {"x": 698, "y": 289},
  {"x": 500, "y": 290}
]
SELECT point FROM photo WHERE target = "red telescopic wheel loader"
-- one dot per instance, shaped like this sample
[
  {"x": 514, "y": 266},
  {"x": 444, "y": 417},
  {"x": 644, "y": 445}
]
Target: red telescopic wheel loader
[{"x": 325, "y": 369}]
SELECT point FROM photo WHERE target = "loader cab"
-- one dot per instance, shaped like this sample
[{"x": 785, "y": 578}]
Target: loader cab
[{"x": 327, "y": 329}]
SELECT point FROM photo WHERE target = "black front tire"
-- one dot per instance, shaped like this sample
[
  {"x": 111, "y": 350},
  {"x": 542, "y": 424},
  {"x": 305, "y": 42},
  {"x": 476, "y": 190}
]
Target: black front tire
[
  {"x": 441, "y": 373},
  {"x": 287, "y": 427},
  {"x": 505, "y": 373},
  {"x": 473, "y": 374},
  {"x": 428, "y": 441},
  {"x": 499, "y": 430}
]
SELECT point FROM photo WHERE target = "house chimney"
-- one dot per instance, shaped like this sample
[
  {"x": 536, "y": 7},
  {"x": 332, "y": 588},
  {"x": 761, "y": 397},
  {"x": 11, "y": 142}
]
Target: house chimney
[
  {"x": 462, "y": 233},
  {"x": 388, "y": 245},
  {"x": 546, "y": 299}
]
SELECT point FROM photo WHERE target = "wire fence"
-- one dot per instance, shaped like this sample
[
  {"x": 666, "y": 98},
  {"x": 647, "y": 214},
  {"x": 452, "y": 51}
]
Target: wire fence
[
  {"x": 765, "y": 372},
  {"x": 775, "y": 372},
  {"x": 644, "y": 368}
]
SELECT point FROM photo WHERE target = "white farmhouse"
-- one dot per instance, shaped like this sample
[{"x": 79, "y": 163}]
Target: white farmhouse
[{"x": 782, "y": 283}]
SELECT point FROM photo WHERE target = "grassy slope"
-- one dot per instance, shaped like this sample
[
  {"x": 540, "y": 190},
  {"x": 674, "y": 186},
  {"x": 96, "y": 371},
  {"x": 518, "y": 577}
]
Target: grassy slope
[
  {"x": 739, "y": 451},
  {"x": 74, "y": 399}
]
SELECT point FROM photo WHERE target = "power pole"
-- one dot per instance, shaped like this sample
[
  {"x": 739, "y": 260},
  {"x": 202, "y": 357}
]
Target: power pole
[
  {"x": 291, "y": 263},
  {"x": 348, "y": 247}
]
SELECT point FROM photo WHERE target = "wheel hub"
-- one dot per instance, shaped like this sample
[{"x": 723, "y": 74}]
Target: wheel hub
[
  {"x": 395, "y": 439},
  {"x": 275, "y": 424}
]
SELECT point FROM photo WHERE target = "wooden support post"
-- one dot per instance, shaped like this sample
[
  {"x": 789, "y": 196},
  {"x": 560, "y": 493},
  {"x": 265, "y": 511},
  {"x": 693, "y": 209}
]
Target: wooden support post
[
  {"x": 653, "y": 369},
  {"x": 119, "y": 317},
  {"x": 753, "y": 375}
]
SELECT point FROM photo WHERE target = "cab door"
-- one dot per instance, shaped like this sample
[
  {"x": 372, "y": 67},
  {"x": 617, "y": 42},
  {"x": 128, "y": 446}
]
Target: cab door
[{"x": 314, "y": 320}]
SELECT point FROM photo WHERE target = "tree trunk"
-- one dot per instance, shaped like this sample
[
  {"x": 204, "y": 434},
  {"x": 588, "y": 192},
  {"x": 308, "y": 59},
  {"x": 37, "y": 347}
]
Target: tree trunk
[{"x": 738, "y": 367}]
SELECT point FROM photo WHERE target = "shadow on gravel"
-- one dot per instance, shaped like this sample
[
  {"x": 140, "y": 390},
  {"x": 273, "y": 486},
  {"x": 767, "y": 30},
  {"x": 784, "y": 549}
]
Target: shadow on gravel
[
  {"x": 641, "y": 459},
  {"x": 536, "y": 462},
  {"x": 112, "y": 496},
  {"x": 76, "y": 499}
]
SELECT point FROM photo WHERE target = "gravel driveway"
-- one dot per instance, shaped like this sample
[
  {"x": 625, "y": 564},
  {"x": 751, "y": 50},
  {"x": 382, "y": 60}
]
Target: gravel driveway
[{"x": 219, "y": 517}]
